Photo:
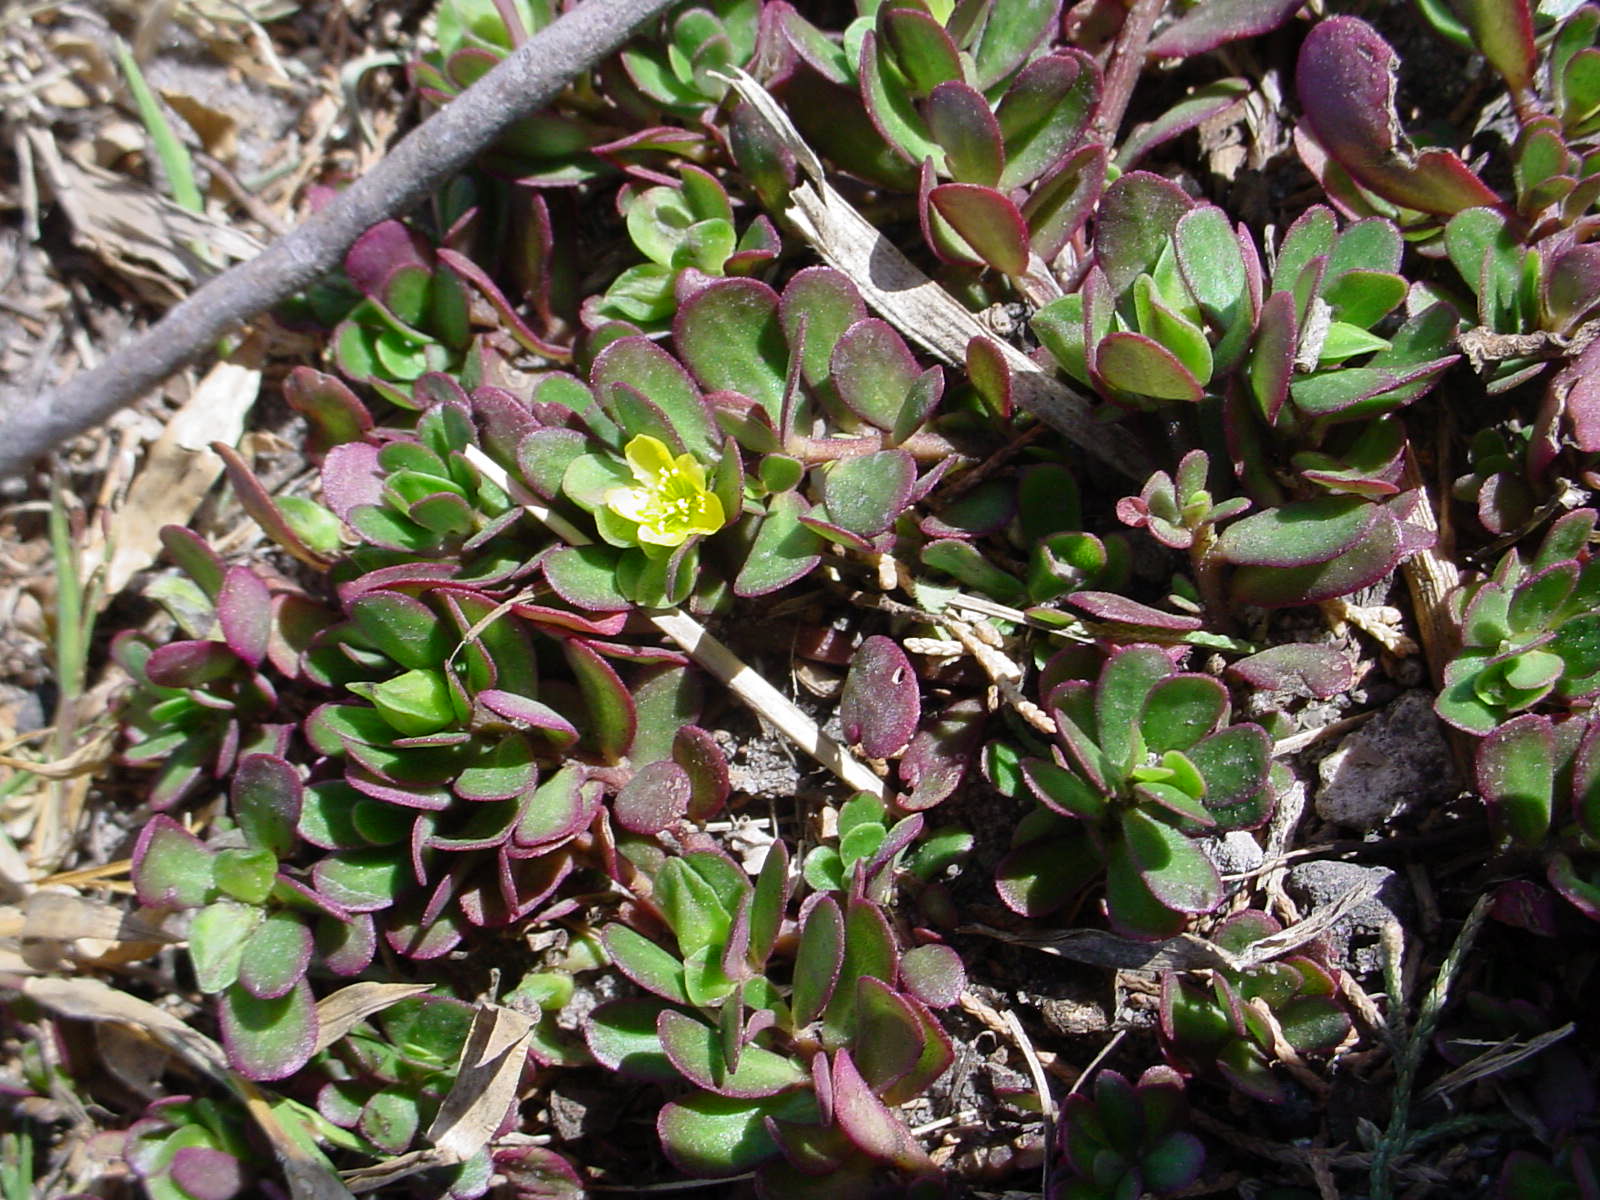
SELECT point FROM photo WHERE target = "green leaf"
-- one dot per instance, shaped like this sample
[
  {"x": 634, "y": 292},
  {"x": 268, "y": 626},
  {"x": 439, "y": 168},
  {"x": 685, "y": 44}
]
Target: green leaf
[
  {"x": 696, "y": 1051},
  {"x": 621, "y": 1034},
  {"x": 644, "y": 962},
  {"x": 1176, "y": 871},
  {"x": 1299, "y": 533},
  {"x": 729, "y": 336},
  {"x": 1233, "y": 762},
  {"x": 691, "y": 906},
  {"x": 268, "y": 1039},
  {"x": 817, "y": 961},
  {"x": 1124, "y": 687},
  {"x": 217, "y": 938},
  {"x": 784, "y": 549},
  {"x": 710, "y": 1136},
  {"x": 1181, "y": 710},
  {"x": 171, "y": 869},
  {"x": 1141, "y": 366}
]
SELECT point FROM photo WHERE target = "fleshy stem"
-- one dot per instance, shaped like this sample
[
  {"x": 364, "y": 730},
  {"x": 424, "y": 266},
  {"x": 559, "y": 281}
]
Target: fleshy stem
[
  {"x": 440, "y": 147},
  {"x": 1127, "y": 65},
  {"x": 1208, "y": 566}
]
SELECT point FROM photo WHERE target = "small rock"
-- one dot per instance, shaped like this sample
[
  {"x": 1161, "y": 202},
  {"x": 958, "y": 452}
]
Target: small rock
[
  {"x": 1395, "y": 762},
  {"x": 1352, "y": 942}
]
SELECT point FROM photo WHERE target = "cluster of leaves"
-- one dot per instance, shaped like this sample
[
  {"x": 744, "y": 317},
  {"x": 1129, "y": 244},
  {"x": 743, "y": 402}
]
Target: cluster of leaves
[
  {"x": 1126, "y": 1139},
  {"x": 1145, "y": 763}
]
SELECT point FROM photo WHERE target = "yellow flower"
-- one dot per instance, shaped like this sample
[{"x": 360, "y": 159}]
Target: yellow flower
[{"x": 670, "y": 503}]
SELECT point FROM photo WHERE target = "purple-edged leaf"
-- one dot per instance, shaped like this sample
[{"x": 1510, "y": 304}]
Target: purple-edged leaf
[
  {"x": 881, "y": 703},
  {"x": 710, "y": 1136},
  {"x": 190, "y": 664},
  {"x": 1036, "y": 879},
  {"x": 586, "y": 576},
  {"x": 1209, "y": 25},
  {"x": 818, "y": 306},
  {"x": 643, "y": 365},
  {"x": 1138, "y": 214},
  {"x": 202, "y": 1173},
  {"x": 864, "y": 495},
  {"x": 1515, "y": 767},
  {"x": 362, "y": 880},
  {"x": 266, "y": 797},
  {"x": 268, "y": 1039},
  {"x": 1009, "y": 36},
  {"x": 656, "y": 797},
  {"x": 1346, "y": 82},
  {"x": 933, "y": 974},
  {"x": 959, "y": 119},
  {"x": 1142, "y": 367},
  {"x": 346, "y": 947},
  {"x": 728, "y": 334},
  {"x": 886, "y": 93},
  {"x": 244, "y": 610},
  {"x": 1324, "y": 671},
  {"x": 1061, "y": 202},
  {"x": 868, "y": 1123},
  {"x": 1271, "y": 362},
  {"x": 1174, "y": 868},
  {"x": 275, "y": 956},
  {"x": 813, "y": 1151},
  {"x": 194, "y": 556},
  {"x": 256, "y": 501},
  {"x": 621, "y": 1035},
  {"x": 1108, "y": 606},
  {"x": 768, "y": 902},
  {"x": 1204, "y": 103},
  {"x": 705, "y": 765},
  {"x": 1131, "y": 906},
  {"x": 785, "y": 550},
  {"x": 402, "y": 628},
  {"x": 613, "y": 718},
  {"x": 940, "y": 755},
  {"x": 171, "y": 869},
  {"x": 646, "y": 963},
  {"x": 923, "y": 54},
  {"x": 1213, "y": 266},
  {"x": 1234, "y": 763},
  {"x": 695, "y": 1050},
  {"x": 869, "y": 949},
  {"x": 335, "y": 414},
  {"x": 1373, "y": 557},
  {"x": 1182, "y": 710},
  {"x": 873, "y": 371},
  {"x": 1044, "y": 113},
  {"x": 529, "y": 713},
  {"x": 979, "y": 225},
  {"x": 888, "y": 1036},
  {"x": 1119, "y": 701},
  {"x": 1299, "y": 533},
  {"x": 817, "y": 961}
]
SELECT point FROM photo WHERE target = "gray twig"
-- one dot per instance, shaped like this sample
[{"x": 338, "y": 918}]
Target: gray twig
[{"x": 438, "y": 148}]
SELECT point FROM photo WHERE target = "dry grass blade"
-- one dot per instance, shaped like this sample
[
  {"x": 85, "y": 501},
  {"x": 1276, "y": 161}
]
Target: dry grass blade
[
  {"x": 339, "y": 1013},
  {"x": 1493, "y": 1061},
  {"x": 486, "y": 1082}
]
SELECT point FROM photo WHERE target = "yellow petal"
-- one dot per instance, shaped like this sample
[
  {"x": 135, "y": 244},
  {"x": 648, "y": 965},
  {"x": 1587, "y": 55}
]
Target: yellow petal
[
  {"x": 708, "y": 516},
  {"x": 635, "y": 504},
  {"x": 650, "y": 459}
]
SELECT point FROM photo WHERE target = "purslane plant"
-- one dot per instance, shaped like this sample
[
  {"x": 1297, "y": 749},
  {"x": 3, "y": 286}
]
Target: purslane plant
[
  {"x": 1144, "y": 763},
  {"x": 1529, "y": 632},
  {"x": 797, "y": 1033},
  {"x": 1232, "y": 1026},
  {"x": 1121, "y": 1140}
]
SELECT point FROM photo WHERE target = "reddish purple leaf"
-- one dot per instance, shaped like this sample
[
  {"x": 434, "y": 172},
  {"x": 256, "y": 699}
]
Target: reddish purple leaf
[
  {"x": 933, "y": 974},
  {"x": 868, "y": 1123},
  {"x": 881, "y": 704},
  {"x": 1325, "y": 671},
  {"x": 657, "y": 796},
  {"x": 1346, "y": 82},
  {"x": 244, "y": 610},
  {"x": 960, "y": 120},
  {"x": 980, "y": 225},
  {"x": 207, "y": 1174},
  {"x": 1209, "y": 25},
  {"x": 1108, "y": 606},
  {"x": 190, "y": 664}
]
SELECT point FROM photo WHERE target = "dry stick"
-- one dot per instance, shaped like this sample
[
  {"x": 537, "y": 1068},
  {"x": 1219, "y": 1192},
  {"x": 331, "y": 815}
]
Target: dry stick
[
  {"x": 440, "y": 147},
  {"x": 916, "y": 305},
  {"x": 693, "y": 638}
]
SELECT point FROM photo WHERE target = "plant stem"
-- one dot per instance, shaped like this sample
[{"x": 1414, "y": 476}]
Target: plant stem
[
  {"x": 440, "y": 147},
  {"x": 1127, "y": 65}
]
